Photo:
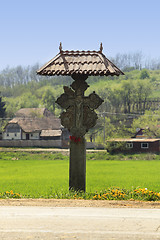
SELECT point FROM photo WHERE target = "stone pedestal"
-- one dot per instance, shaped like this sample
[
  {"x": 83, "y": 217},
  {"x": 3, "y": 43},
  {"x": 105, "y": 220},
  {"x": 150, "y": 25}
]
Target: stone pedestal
[{"x": 77, "y": 170}]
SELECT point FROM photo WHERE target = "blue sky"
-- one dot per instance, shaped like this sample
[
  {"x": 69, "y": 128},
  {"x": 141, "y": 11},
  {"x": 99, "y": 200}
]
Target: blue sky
[{"x": 31, "y": 30}]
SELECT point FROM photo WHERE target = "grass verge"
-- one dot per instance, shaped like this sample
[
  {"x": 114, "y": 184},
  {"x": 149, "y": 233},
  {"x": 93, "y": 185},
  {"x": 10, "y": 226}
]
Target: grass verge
[{"x": 109, "y": 194}]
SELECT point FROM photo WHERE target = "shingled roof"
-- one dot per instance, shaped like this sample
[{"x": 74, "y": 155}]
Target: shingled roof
[
  {"x": 90, "y": 63},
  {"x": 33, "y": 112},
  {"x": 35, "y": 119},
  {"x": 30, "y": 125}
]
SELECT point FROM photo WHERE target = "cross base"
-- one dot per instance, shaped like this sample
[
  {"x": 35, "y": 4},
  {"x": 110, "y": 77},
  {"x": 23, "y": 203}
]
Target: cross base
[{"x": 77, "y": 170}]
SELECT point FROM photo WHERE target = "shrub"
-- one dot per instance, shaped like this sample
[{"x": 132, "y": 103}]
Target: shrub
[
  {"x": 144, "y": 74},
  {"x": 113, "y": 146}
]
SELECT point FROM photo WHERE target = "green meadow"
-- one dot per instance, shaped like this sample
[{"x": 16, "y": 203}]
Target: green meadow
[{"x": 46, "y": 175}]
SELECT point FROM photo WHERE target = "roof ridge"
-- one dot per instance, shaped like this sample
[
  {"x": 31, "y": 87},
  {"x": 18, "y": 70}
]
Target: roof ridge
[
  {"x": 61, "y": 50},
  {"x": 79, "y": 51}
]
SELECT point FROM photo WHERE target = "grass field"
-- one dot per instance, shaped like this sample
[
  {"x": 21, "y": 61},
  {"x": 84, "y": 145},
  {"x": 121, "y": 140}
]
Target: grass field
[{"x": 46, "y": 174}]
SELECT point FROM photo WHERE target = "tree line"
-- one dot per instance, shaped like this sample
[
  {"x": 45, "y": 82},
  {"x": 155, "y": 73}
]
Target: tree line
[
  {"x": 136, "y": 60},
  {"x": 10, "y": 77}
]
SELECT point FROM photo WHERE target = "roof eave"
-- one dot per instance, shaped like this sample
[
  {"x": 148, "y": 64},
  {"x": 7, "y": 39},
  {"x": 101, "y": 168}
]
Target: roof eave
[
  {"x": 40, "y": 71},
  {"x": 51, "y": 73},
  {"x": 109, "y": 68}
]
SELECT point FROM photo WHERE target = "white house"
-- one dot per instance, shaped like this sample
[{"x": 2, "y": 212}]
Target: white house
[{"x": 33, "y": 124}]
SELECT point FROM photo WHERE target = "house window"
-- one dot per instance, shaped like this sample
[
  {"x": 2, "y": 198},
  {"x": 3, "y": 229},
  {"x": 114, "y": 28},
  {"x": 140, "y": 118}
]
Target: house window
[
  {"x": 129, "y": 145},
  {"x": 144, "y": 145}
]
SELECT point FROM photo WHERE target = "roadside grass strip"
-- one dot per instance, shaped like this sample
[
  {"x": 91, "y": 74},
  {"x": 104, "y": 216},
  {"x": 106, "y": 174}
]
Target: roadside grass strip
[
  {"x": 9, "y": 194},
  {"x": 142, "y": 194},
  {"x": 113, "y": 193}
]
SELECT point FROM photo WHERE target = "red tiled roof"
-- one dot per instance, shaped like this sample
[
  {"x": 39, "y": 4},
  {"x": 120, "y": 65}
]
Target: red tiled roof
[{"x": 88, "y": 63}]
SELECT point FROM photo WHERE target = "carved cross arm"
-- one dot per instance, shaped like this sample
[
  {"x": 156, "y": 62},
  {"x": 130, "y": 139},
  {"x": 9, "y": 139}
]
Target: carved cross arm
[
  {"x": 66, "y": 99},
  {"x": 93, "y": 101}
]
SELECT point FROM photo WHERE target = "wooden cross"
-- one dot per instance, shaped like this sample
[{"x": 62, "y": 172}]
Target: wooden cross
[{"x": 79, "y": 116}]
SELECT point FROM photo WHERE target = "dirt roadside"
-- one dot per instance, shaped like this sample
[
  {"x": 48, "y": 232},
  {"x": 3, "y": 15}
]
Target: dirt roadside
[{"x": 78, "y": 203}]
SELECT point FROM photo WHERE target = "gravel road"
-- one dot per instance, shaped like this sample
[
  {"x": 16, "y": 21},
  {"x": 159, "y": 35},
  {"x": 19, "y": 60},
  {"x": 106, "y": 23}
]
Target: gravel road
[{"x": 35, "y": 222}]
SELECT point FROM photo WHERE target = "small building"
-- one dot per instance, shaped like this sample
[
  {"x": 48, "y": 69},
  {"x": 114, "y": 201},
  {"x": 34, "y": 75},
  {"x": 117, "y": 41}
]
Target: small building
[
  {"x": 51, "y": 134},
  {"x": 34, "y": 124},
  {"x": 136, "y": 145}
]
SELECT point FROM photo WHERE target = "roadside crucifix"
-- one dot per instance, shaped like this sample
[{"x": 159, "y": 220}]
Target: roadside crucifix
[{"x": 79, "y": 115}]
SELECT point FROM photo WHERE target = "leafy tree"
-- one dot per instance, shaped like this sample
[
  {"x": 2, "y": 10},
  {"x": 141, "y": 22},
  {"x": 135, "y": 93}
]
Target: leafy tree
[
  {"x": 109, "y": 128},
  {"x": 127, "y": 95},
  {"x": 142, "y": 93},
  {"x": 113, "y": 147},
  {"x": 11, "y": 108},
  {"x": 27, "y": 100},
  {"x": 113, "y": 101},
  {"x": 150, "y": 122},
  {"x": 2, "y": 124},
  {"x": 2, "y": 108},
  {"x": 49, "y": 100},
  {"x": 2, "y": 113},
  {"x": 144, "y": 74}
]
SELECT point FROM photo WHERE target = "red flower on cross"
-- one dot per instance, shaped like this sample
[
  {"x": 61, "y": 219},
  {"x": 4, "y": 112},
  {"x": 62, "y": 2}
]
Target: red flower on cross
[{"x": 75, "y": 139}]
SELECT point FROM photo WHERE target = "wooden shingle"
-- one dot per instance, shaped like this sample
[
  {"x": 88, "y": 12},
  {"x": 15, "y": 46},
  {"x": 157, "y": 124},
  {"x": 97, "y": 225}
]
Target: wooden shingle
[{"x": 90, "y": 63}]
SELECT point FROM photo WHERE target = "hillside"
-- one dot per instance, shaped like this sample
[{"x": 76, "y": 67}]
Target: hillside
[
  {"x": 125, "y": 97},
  {"x": 119, "y": 93}
]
